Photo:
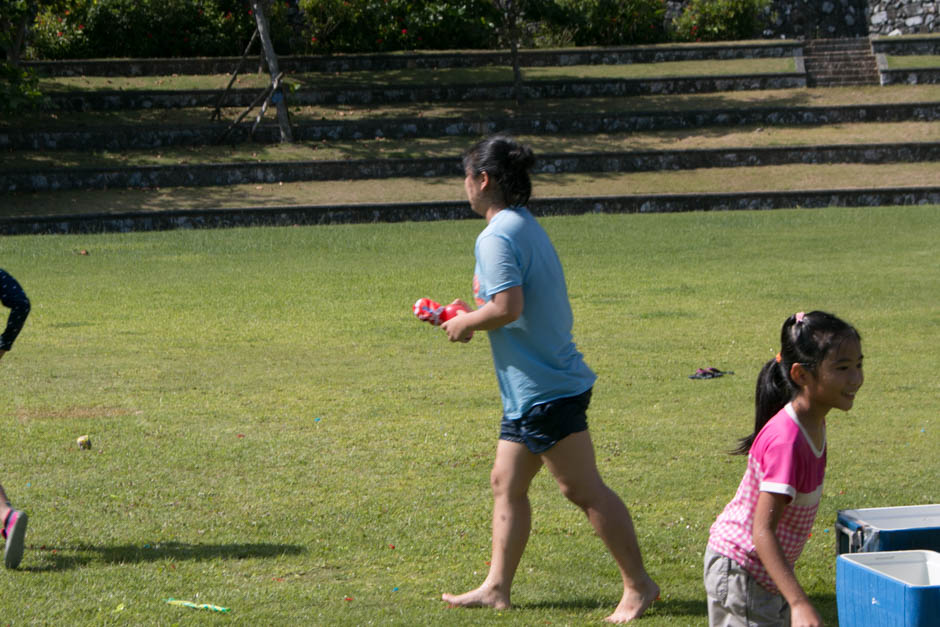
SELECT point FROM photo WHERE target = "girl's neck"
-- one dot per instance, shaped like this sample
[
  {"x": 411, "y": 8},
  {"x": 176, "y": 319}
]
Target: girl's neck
[{"x": 812, "y": 417}]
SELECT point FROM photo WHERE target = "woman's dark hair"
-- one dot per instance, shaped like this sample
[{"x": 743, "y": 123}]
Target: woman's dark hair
[
  {"x": 507, "y": 162},
  {"x": 806, "y": 339}
]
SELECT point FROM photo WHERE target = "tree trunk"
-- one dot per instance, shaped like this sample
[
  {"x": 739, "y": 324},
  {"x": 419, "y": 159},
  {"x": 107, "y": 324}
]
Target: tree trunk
[
  {"x": 516, "y": 71},
  {"x": 277, "y": 96},
  {"x": 512, "y": 14},
  {"x": 19, "y": 37}
]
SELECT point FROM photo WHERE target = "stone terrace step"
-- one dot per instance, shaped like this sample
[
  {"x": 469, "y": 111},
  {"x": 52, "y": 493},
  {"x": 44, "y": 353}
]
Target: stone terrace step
[
  {"x": 220, "y": 174},
  {"x": 125, "y": 100},
  {"x": 454, "y": 59},
  {"x": 902, "y": 46},
  {"x": 529, "y": 58},
  {"x": 921, "y": 76},
  {"x": 398, "y": 212},
  {"x": 147, "y": 137}
]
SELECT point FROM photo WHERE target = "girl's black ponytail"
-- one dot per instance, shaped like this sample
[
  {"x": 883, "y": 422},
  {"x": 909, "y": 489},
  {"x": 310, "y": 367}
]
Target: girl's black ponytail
[
  {"x": 805, "y": 339},
  {"x": 772, "y": 393}
]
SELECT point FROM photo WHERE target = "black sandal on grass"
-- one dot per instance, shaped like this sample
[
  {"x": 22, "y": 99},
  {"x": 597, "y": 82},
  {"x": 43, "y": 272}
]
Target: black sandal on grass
[{"x": 709, "y": 373}]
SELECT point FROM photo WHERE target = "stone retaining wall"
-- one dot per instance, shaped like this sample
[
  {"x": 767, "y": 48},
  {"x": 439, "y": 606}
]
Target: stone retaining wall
[
  {"x": 58, "y": 179},
  {"x": 135, "y": 137},
  {"x": 906, "y": 46},
  {"x": 817, "y": 19},
  {"x": 903, "y": 17},
  {"x": 910, "y": 77},
  {"x": 344, "y": 214}
]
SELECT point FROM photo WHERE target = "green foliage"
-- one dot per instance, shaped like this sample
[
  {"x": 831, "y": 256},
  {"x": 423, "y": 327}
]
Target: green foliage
[
  {"x": 619, "y": 22},
  {"x": 550, "y": 23},
  {"x": 172, "y": 28},
  {"x": 168, "y": 28},
  {"x": 11, "y": 13},
  {"x": 59, "y": 32},
  {"x": 152, "y": 28},
  {"x": 602, "y": 22},
  {"x": 722, "y": 20},
  {"x": 385, "y": 25},
  {"x": 19, "y": 89}
]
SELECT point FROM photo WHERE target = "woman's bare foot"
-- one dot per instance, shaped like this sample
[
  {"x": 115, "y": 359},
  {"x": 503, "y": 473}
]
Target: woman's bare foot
[
  {"x": 484, "y": 596},
  {"x": 634, "y": 602}
]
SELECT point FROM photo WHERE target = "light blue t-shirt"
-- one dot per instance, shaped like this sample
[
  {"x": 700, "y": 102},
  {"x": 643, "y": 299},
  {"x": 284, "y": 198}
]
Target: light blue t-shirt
[{"x": 535, "y": 358}]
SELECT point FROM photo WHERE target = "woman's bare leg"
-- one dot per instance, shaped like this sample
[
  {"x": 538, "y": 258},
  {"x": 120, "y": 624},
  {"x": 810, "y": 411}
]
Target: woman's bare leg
[
  {"x": 574, "y": 467},
  {"x": 513, "y": 471}
]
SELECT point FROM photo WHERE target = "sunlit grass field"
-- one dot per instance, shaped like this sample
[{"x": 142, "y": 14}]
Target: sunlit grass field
[{"x": 275, "y": 433}]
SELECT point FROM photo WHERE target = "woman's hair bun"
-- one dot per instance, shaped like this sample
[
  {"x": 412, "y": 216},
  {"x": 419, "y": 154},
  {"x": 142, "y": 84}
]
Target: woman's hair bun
[{"x": 521, "y": 157}]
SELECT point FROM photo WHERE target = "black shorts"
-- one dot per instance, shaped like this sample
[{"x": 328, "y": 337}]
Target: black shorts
[{"x": 546, "y": 424}]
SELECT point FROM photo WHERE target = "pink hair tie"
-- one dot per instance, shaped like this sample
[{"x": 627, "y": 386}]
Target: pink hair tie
[{"x": 799, "y": 317}]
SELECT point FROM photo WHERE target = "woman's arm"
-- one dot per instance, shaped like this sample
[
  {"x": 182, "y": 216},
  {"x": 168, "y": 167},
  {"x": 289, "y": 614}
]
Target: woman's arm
[
  {"x": 503, "y": 308},
  {"x": 769, "y": 510}
]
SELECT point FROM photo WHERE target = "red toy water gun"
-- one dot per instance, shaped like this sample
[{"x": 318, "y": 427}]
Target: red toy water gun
[{"x": 435, "y": 313}]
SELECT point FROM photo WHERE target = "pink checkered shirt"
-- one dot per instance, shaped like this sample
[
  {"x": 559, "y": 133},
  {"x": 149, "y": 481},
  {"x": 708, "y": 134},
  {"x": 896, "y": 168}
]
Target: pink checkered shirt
[{"x": 782, "y": 460}]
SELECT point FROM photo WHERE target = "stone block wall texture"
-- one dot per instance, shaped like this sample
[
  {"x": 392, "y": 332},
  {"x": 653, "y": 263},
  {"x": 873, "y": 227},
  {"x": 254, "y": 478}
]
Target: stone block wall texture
[{"x": 824, "y": 19}]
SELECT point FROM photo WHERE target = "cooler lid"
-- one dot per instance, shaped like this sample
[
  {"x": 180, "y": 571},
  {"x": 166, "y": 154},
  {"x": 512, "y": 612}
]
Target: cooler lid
[{"x": 892, "y": 518}]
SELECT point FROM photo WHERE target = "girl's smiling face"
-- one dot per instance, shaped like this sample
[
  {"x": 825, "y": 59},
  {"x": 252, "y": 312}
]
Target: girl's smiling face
[{"x": 838, "y": 378}]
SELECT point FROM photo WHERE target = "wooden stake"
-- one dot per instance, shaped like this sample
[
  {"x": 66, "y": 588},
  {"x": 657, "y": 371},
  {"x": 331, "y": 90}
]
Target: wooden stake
[
  {"x": 217, "y": 114},
  {"x": 262, "y": 97}
]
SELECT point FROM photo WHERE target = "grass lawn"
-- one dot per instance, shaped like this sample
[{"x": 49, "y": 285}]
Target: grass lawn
[
  {"x": 913, "y": 61},
  {"x": 273, "y": 431}
]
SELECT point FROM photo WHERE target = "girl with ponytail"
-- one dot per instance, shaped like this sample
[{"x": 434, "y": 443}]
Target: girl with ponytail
[{"x": 755, "y": 541}]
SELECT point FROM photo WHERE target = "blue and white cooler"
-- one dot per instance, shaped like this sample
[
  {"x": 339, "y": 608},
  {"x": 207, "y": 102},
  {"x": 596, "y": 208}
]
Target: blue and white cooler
[
  {"x": 888, "y": 589},
  {"x": 888, "y": 566},
  {"x": 888, "y": 529}
]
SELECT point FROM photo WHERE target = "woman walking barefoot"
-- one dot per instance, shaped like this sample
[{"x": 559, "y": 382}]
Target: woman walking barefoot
[{"x": 522, "y": 302}]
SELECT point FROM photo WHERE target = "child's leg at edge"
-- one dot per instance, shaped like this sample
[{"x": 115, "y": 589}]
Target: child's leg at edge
[
  {"x": 513, "y": 471},
  {"x": 4, "y": 505},
  {"x": 574, "y": 467}
]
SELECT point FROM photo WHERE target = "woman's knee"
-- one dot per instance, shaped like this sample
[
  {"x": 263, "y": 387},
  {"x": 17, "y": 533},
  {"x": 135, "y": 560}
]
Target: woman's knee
[
  {"x": 500, "y": 483},
  {"x": 507, "y": 485},
  {"x": 584, "y": 494}
]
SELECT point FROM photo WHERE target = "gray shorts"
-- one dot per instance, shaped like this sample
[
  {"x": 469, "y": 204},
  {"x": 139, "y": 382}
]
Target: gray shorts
[{"x": 735, "y": 599}]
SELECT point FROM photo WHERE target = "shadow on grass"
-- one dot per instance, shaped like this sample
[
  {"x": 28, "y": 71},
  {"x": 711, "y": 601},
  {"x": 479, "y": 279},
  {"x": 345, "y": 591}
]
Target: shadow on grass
[
  {"x": 65, "y": 558},
  {"x": 824, "y": 604},
  {"x": 827, "y": 607},
  {"x": 669, "y": 607}
]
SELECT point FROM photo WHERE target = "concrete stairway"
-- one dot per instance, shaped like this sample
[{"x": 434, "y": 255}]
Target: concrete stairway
[{"x": 840, "y": 62}]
